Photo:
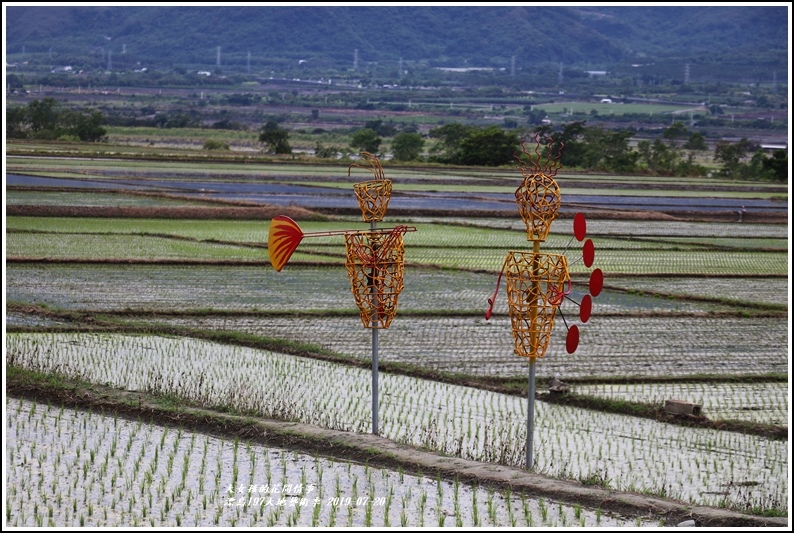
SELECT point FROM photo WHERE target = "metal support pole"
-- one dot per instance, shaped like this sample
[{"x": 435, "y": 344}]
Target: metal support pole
[
  {"x": 530, "y": 413},
  {"x": 533, "y": 334},
  {"x": 374, "y": 356},
  {"x": 374, "y": 381}
]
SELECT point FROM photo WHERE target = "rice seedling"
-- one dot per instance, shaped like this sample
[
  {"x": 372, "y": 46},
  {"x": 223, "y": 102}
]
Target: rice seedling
[{"x": 126, "y": 362}]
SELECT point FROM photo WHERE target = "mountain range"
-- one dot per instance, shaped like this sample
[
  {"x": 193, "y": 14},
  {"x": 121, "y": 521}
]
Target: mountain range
[{"x": 453, "y": 36}]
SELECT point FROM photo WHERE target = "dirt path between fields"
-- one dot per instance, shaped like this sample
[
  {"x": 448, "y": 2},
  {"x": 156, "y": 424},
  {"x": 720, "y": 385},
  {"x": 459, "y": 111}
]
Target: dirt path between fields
[{"x": 373, "y": 450}]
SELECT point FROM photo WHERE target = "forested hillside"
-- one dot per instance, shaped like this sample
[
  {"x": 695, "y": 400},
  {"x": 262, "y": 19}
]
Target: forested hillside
[{"x": 593, "y": 36}]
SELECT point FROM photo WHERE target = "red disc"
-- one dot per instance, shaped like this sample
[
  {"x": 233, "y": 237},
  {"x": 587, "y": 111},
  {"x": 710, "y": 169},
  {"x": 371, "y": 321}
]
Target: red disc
[
  {"x": 585, "y": 308},
  {"x": 579, "y": 226},
  {"x": 572, "y": 340},
  {"x": 588, "y": 253},
  {"x": 596, "y": 282}
]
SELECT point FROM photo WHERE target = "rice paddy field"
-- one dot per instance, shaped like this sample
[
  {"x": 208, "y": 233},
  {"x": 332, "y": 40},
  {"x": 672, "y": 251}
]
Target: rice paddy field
[
  {"x": 82, "y": 469},
  {"x": 693, "y": 309}
]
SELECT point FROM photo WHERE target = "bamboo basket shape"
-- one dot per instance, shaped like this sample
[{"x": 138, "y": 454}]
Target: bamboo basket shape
[
  {"x": 538, "y": 196},
  {"x": 535, "y": 289},
  {"x": 376, "y": 266},
  {"x": 373, "y": 196},
  {"x": 538, "y": 200}
]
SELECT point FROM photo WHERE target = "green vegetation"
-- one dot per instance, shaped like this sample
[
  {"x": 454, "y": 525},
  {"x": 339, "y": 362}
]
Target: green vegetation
[
  {"x": 276, "y": 138},
  {"x": 215, "y": 145},
  {"x": 47, "y": 120}
]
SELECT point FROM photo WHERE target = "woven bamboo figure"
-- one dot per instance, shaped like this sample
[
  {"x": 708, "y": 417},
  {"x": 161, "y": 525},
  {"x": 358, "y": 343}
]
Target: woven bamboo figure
[
  {"x": 375, "y": 259},
  {"x": 375, "y": 266},
  {"x": 535, "y": 284},
  {"x": 373, "y": 196},
  {"x": 538, "y": 197},
  {"x": 535, "y": 281},
  {"x": 538, "y": 283}
]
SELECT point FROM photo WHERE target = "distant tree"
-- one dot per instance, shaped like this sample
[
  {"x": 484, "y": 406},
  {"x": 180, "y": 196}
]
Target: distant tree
[
  {"x": 729, "y": 156},
  {"x": 488, "y": 147},
  {"x": 212, "y": 144},
  {"x": 86, "y": 126},
  {"x": 227, "y": 124},
  {"x": 275, "y": 137},
  {"x": 535, "y": 116},
  {"x": 14, "y": 82},
  {"x": 676, "y": 131},
  {"x": 382, "y": 129},
  {"x": 325, "y": 152},
  {"x": 449, "y": 138},
  {"x": 658, "y": 158},
  {"x": 16, "y": 123},
  {"x": 573, "y": 151},
  {"x": 777, "y": 166},
  {"x": 696, "y": 142},
  {"x": 607, "y": 150},
  {"x": 407, "y": 146},
  {"x": 177, "y": 119},
  {"x": 43, "y": 117},
  {"x": 366, "y": 140}
]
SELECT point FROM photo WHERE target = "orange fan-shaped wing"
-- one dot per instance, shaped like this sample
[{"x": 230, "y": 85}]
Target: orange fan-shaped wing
[{"x": 285, "y": 235}]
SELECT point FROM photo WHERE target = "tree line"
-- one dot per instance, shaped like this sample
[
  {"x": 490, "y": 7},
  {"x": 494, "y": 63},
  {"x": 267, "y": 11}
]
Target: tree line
[{"x": 584, "y": 147}]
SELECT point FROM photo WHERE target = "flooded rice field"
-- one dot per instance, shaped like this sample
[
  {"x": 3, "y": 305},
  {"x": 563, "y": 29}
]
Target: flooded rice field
[
  {"x": 700, "y": 466},
  {"x": 334, "y": 197},
  {"x": 80, "y": 469}
]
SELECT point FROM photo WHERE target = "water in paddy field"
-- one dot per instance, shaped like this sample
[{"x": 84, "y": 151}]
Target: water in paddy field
[{"x": 335, "y": 197}]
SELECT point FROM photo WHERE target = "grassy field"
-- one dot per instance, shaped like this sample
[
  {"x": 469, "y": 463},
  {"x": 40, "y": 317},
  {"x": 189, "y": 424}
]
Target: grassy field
[
  {"x": 691, "y": 309},
  {"x": 616, "y": 108}
]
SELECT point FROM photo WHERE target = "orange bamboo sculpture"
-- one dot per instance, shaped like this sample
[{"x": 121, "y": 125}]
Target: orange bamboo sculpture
[
  {"x": 535, "y": 281},
  {"x": 373, "y": 196}
]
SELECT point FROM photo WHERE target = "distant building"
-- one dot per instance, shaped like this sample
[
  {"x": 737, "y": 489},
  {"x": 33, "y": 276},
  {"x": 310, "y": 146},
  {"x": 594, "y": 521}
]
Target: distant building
[
  {"x": 204, "y": 73},
  {"x": 606, "y": 100},
  {"x": 773, "y": 147},
  {"x": 595, "y": 73}
]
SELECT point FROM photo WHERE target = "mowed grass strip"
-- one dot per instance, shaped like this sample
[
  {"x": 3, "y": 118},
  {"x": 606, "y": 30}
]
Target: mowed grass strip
[
  {"x": 64, "y": 198},
  {"x": 68, "y": 246},
  {"x": 597, "y": 227},
  {"x": 244, "y": 231},
  {"x": 434, "y": 234}
]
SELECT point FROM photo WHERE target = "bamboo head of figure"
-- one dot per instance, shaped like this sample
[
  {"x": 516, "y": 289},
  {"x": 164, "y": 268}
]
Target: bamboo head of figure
[
  {"x": 373, "y": 195},
  {"x": 538, "y": 197}
]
